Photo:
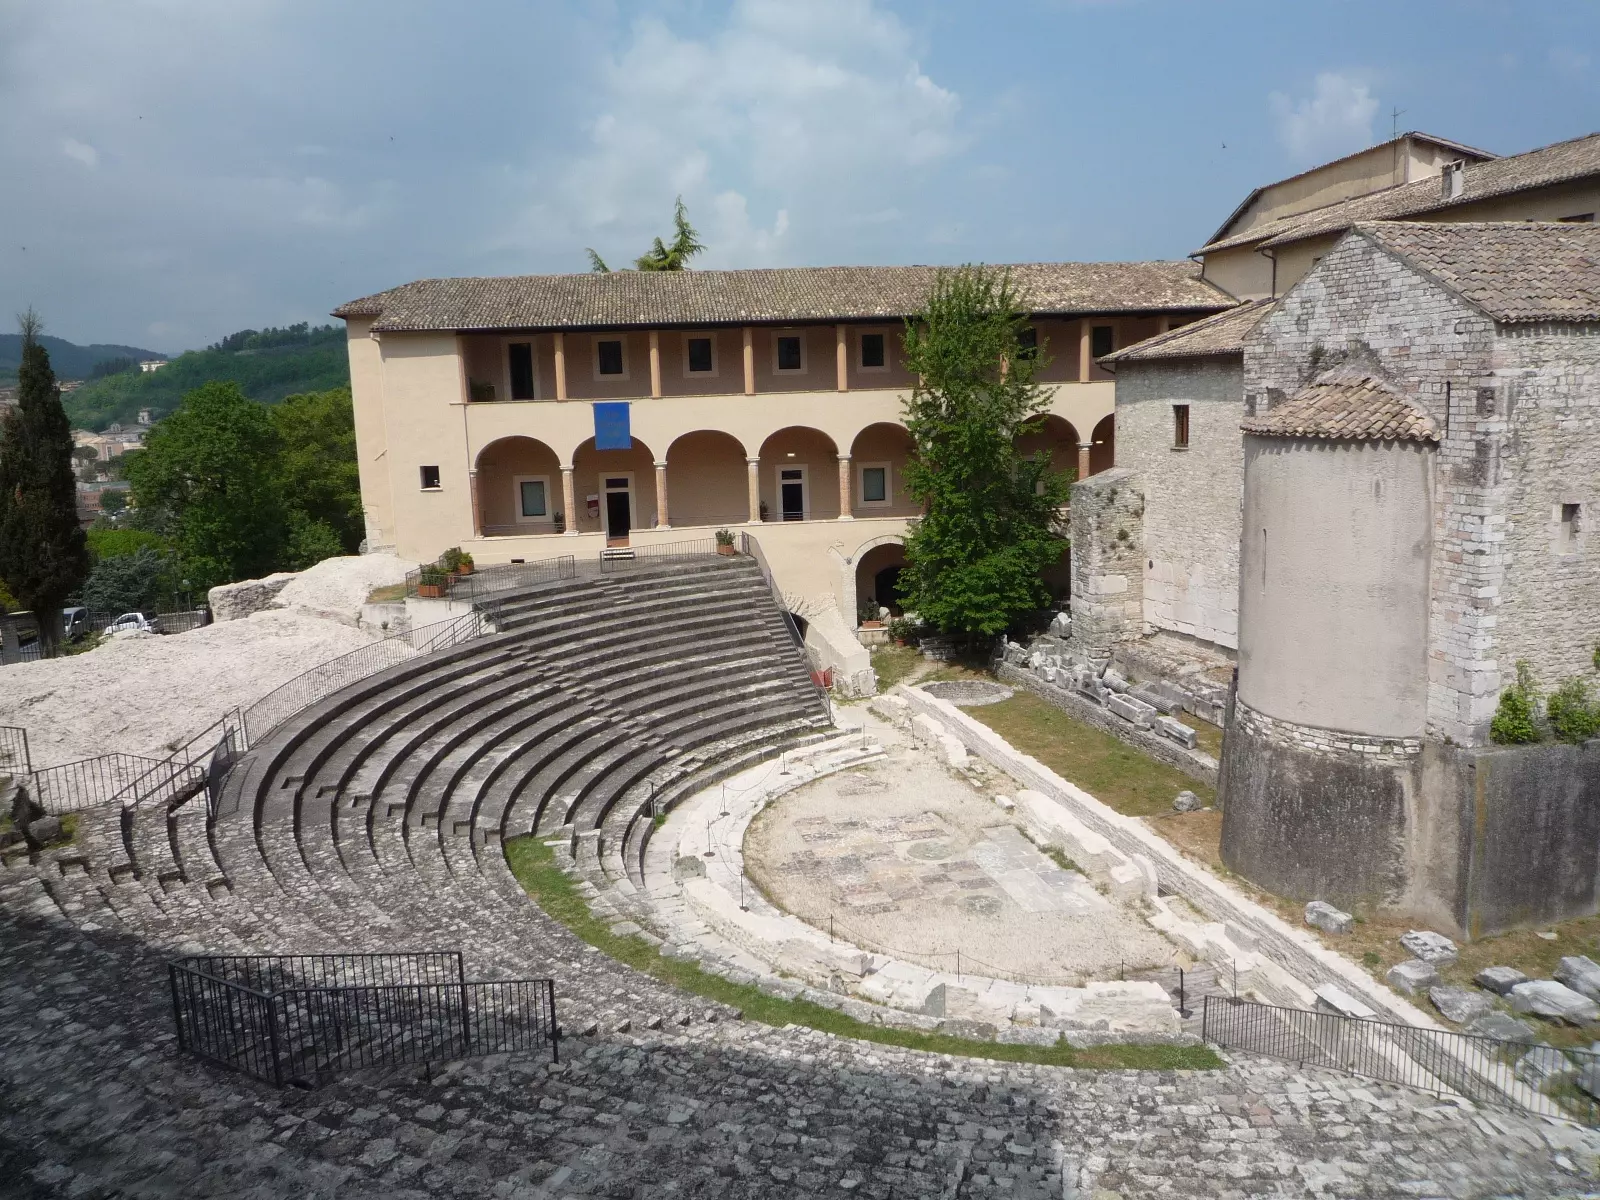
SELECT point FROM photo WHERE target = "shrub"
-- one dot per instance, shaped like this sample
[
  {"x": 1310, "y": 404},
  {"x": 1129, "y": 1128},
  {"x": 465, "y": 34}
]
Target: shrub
[
  {"x": 450, "y": 560},
  {"x": 1516, "y": 720},
  {"x": 724, "y": 537},
  {"x": 904, "y": 629},
  {"x": 1573, "y": 711}
]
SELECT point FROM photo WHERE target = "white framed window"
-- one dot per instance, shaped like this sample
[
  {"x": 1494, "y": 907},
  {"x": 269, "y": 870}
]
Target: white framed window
[
  {"x": 610, "y": 357},
  {"x": 699, "y": 356},
  {"x": 430, "y": 479},
  {"x": 874, "y": 485},
  {"x": 872, "y": 351},
  {"x": 788, "y": 352},
  {"x": 521, "y": 369},
  {"x": 530, "y": 498}
]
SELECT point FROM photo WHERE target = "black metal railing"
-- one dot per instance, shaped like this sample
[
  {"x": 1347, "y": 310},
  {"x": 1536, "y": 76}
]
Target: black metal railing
[
  {"x": 88, "y": 781},
  {"x": 749, "y": 545},
  {"x": 14, "y": 759},
  {"x": 486, "y": 581},
  {"x": 299, "y": 1020},
  {"x": 200, "y": 764},
  {"x": 622, "y": 558},
  {"x": 1537, "y": 1078},
  {"x": 323, "y": 680}
]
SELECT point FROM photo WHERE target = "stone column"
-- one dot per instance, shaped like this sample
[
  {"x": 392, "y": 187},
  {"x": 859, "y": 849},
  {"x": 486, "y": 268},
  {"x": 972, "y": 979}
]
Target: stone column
[
  {"x": 844, "y": 489},
  {"x": 569, "y": 496},
  {"x": 1083, "y": 351},
  {"x": 1083, "y": 459},
  {"x": 841, "y": 355},
  {"x": 661, "y": 494},
  {"x": 755, "y": 482},
  {"x": 477, "y": 510},
  {"x": 561, "y": 366},
  {"x": 655, "y": 364},
  {"x": 749, "y": 361}
]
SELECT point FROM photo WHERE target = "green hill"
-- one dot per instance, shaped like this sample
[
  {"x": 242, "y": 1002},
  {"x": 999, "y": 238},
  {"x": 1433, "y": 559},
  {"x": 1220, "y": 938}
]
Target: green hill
[
  {"x": 67, "y": 359},
  {"x": 273, "y": 364}
]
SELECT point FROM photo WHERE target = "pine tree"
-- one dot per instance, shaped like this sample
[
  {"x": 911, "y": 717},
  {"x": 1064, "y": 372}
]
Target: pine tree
[
  {"x": 990, "y": 515},
  {"x": 44, "y": 557}
]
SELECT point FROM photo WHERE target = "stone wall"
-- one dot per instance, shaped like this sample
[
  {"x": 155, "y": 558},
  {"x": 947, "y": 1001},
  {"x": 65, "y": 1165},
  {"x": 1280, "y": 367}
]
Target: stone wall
[
  {"x": 1191, "y": 518},
  {"x": 1548, "y": 404},
  {"x": 1107, "y": 561}
]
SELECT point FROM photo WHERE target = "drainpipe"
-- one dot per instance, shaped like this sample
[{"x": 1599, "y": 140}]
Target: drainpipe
[{"x": 1273, "y": 258}]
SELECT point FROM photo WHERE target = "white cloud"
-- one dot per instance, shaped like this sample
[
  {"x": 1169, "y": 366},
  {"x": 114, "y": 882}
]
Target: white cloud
[
  {"x": 1336, "y": 119},
  {"x": 86, "y": 154},
  {"x": 791, "y": 124}
]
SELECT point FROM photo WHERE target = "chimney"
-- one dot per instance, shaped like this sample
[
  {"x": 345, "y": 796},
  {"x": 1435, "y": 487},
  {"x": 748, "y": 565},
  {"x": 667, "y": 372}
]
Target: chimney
[{"x": 1453, "y": 180}]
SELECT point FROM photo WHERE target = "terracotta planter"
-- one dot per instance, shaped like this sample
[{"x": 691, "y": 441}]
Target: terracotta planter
[
  {"x": 430, "y": 591},
  {"x": 872, "y": 624},
  {"x": 721, "y": 549},
  {"x": 465, "y": 569}
]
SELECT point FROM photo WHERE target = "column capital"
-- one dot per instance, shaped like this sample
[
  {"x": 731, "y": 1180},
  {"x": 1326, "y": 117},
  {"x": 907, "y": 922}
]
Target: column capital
[
  {"x": 659, "y": 464},
  {"x": 752, "y": 460}
]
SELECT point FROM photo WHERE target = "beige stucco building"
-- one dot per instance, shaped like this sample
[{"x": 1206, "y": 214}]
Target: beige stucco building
[{"x": 768, "y": 399}]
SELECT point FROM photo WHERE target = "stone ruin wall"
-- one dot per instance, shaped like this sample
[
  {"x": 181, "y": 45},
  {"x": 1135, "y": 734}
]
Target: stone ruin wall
[
  {"x": 1191, "y": 519},
  {"x": 1107, "y": 561}
]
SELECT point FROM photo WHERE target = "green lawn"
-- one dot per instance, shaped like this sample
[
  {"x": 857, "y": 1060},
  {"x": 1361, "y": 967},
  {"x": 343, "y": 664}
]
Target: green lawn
[
  {"x": 1127, "y": 779},
  {"x": 893, "y": 664},
  {"x": 534, "y": 865}
]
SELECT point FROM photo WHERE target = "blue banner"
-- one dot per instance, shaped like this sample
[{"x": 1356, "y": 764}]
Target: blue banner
[{"x": 611, "y": 430}]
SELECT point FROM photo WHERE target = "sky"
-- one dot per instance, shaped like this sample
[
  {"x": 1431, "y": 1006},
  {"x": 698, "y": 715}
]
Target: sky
[{"x": 174, "y": 170}]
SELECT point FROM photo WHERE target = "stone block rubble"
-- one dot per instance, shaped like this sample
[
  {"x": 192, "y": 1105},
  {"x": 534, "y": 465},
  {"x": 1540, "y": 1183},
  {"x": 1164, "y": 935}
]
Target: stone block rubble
[{"x": 1324, "y": 916}]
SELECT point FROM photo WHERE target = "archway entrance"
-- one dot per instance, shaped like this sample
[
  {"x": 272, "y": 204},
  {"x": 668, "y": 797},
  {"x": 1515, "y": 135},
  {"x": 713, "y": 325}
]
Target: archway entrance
[
  {"x": 1103, "y": 455},
  {"x": 878, "y": 572}
]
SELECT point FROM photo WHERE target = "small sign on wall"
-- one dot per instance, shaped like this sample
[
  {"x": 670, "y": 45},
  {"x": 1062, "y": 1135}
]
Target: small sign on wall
[{"x": 592, "y": 503}]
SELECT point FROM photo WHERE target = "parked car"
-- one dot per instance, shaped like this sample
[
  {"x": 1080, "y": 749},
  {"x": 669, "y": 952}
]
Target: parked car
[
  {"x": 74, "y": 623},
  {"x": 129, "y": 621}
]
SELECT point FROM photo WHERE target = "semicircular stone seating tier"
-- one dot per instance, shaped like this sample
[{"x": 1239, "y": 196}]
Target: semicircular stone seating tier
[{"x": 374, "y": 820}]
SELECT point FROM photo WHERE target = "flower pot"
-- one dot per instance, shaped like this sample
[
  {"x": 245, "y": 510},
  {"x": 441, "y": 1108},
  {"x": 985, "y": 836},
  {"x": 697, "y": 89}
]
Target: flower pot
[
  {"x": 465, "y": 569},
  {"x": 721, "y": 549},
  {"x": 872, "y": 624},
  {"x": 430, "y": 591}
]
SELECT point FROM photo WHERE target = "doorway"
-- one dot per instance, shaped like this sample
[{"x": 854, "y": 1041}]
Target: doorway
[
  {"x": 792, "y": 493},
  {"x": 616, "y": 493}
]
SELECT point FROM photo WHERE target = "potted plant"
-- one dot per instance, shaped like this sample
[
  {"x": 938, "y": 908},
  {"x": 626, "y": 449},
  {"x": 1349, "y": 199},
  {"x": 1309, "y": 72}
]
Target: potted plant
[
  {"x": 465, "y": 566},
  {"x": 432, "y": 582},
  {"x": 454, "y": 562},
  {"x": 763, "y": 511},
  {"x": 724, "y": 541},
  {"x": 867, "y": 612},
  {"x": 560, "y": 521}
]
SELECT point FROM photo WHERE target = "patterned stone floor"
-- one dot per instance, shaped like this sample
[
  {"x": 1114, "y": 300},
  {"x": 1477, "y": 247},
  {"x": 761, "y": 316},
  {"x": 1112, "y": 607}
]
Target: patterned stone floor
[{"x": 95, "y": 1102}]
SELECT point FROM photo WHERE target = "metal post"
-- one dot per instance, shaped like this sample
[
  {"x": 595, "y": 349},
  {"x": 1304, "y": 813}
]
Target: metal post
[
  {"x": 555, "y": 1029},
  {"x": 466, "y": 1023},
  {"x": 272, "y": 1030},
  {"x": 177, "y": 1016}
]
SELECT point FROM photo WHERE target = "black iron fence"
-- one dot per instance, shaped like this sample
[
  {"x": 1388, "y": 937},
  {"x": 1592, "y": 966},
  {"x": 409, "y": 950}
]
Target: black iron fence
[
  {"x": 622, "y": 558},
  {"x": 323, "y": 680},
  {"x": 14, "y": 758},
  {"x": 299, "y": 1020},
  {"x": 87, "y": 782},
  {"x": 1537, "y": 1078},
  {"x": 200, "y": 764},
  {"x": 749, "y": 545}
]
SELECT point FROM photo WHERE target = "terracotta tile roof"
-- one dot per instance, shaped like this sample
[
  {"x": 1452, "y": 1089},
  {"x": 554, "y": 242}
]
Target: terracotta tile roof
[
  {"x": 1350, "y": 406},
  {"x": 1210, "y": 337},
  {"x": 1548, "y": 165},
  {"x": 786, "y": 294},
  {"x": 1515, "y": 271}
]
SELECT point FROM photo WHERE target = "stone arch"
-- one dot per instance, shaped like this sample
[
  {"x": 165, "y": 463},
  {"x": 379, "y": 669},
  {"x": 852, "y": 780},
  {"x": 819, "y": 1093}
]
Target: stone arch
[
  {"x": 1052, "y": 435},
  {"x": 859, "y": 573},
  {"x": 707, "y": 479},
  {"x": 517, "y": 482},
  {"x": 1103, "y": 454},
  {"x": 815, "y": 456},
  {"x": 591, "y": 467},
  {"x": 882, "y": 448}
]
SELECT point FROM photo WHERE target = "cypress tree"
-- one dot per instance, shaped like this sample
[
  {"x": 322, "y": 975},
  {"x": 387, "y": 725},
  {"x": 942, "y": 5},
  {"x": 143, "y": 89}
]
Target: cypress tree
[{"x": 44, "y": 556}]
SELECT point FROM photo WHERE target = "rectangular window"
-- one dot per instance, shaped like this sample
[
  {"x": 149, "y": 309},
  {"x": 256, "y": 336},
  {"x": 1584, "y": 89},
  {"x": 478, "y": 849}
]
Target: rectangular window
[
  {"x": 430, "y": 479},
  {"x": 521, "y": 370},
  {"x": 1027, "y": 342},
  {"x": 1571, "y": 527},
  {"x": 1180, "y": 426},
  {"x": 1102, "y": 340},
  {"x": 873, "y": 352},
  {"x": 699, "y": 354},
  {"x": 790, "y": 352},
  {"x": 533, "y": 498},
  {"x": 608, "y": 357},
  {"x": 874, "y": 483}
]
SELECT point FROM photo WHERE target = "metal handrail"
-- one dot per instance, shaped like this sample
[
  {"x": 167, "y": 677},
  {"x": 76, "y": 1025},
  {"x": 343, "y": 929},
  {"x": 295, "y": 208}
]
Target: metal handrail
[
  {"x": 749, "y": 545},
  {"x": 14, "y": 748}
]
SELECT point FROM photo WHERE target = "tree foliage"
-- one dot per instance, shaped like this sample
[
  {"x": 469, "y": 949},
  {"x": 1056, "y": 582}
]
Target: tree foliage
[
  {"x": 209, "y": 474},
  {"x": 140, "y": 581},
  {"x": 1573, "y": 712},
  {"x": 321, "y": 481},
  {"x": 1516, "y": 718},
  {"x": 989, "y": 526},
  {"x": 662, "y": 256},
  {"x": 43, "y": 557}
]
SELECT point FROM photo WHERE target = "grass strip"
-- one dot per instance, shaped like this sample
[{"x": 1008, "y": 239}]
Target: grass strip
[{"x": 534, "y": 865}]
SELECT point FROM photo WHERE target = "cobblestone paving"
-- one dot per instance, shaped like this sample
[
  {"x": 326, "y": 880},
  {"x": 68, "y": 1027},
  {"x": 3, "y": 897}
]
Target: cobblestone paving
[{"x": 96, "y": 1102}]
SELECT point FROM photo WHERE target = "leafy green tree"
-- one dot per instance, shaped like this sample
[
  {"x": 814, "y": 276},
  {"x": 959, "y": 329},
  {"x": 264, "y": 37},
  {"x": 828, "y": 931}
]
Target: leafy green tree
[
  {"x": 662, "y": 256},
  {"x": 113, "y": 500},
  {"x": 137, "y": 582},
  {"x": 209, "y": 475},
  {"x": 310, "y": 542},
  {"x": 321, "y": 481},
  {"x": 43, "y": 558},
  {"x": 990, "y": 515}
]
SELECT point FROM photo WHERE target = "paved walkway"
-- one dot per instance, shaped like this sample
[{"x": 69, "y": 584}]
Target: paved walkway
[{"x": 95, "y": 1102}]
